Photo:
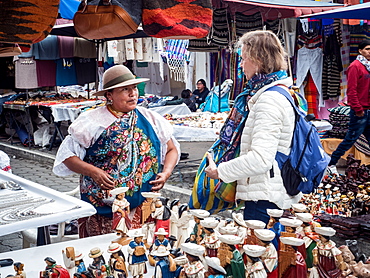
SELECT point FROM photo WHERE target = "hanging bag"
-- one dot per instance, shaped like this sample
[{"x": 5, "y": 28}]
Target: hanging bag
[
  {"x": 102, "y": 19},
  {"x": 178, "y": 19}
]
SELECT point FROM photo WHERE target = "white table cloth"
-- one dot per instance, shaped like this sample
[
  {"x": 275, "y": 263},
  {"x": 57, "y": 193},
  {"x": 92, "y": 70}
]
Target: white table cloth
[
  {"x": 179, "y": 110},
  {"x": 70, "y": 111},
  {"x": 194, "y": 134}
]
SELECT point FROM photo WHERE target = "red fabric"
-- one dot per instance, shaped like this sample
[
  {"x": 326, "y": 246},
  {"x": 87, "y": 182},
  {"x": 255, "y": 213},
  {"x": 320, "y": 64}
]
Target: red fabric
[
  {"x": 311, "y": 93},
  {"x": 162, "y": 224},
  {"x": 211, "y": 252},
  {"x": 274, "y": 273},
  {"x": 299, "y": 270},
  {"x": 117, "y": 217},
  {"x": 62, "y": 272},
  {"x": 358, "y": 85},
  {"x": 327, "y": 267}
]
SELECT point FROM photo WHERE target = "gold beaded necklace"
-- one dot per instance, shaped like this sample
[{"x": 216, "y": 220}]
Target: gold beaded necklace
[{"x": 117, "y": 114}]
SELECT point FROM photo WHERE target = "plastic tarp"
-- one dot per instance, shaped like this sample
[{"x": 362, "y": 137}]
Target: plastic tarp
[
  {"x": 360, "y": 11},
  {"x": 68, "y": 8},
  {"x": 273, "y": 9}
]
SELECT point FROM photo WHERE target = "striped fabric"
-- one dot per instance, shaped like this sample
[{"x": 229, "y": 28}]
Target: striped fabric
[
  {"x": 345, "y": 59},
  {"x": 311, "y": 94}
]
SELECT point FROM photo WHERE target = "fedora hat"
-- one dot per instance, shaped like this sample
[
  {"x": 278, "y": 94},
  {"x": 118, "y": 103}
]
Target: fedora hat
[
  {"x": 214, "y": 262},
  {"x": 200, "y": 213},
  {"x": 264, "y": 234},
  {"x": 275, "y": 212},
  {"x": 160, "y": 252},
  {"x": 254, "y": 251},
  {"x": 114, "y": 247},
  {"x": 151, "y": 195},
  {"x": 118, "y": 76},
  {"x": 78, "y": 255},
  {"x": 118, "y": 190},
  {"x": 238, "y": 218},
  {"x": 95, "y": 252},
  {"x": 161, "y": 231},
  {"x": 255, "y": 224}
]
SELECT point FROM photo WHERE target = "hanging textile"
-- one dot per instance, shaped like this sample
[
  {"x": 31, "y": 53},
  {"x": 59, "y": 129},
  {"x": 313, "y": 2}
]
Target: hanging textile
[
  {"x": 345, "y": 49},
  {"x": 220, "y": 33},
  {"x": 177, "y": 54},
  {"x": 311, "y": 92},
  {"x": 245, "y": 23}
]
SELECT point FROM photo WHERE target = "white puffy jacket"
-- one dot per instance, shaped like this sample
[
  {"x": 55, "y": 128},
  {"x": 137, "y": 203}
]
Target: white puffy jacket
[{"x": 268, "y": 129}]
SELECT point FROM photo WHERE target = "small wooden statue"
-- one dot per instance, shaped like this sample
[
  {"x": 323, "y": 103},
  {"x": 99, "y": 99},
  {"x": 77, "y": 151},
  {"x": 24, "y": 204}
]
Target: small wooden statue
[
  {"x": 137, "y": 257},
  {"x": 183, "y": 224},
  {"x": 121, "y": 208},
  {"x": 69, "y": 260},
  {"x": 291, "y": 262},
  {"x": 215, "y": 270},
  {"x": 230, "y": 257},
  {"x": 254, "y": 265},
  {"x": 160, "y": 240},
  {"x": 210, "y": 240},
  {"x": 197, "y": 235},
  {"x": 274, "y": 224},
  {"x": 79, "y": 262},
  {"x": 52, "y": 270},
  {"x": 270, "y": 256},
  {"x": 147, "y": 221},
  {"x": 174, "y": 207},
  {"x": 98, "y": 267},
  {"x": 19, "y": 270},
  {"x": 194, "y": 268},
  {"x": 117, "y": 261},
  {"x": 165, "y": 266},
  {"x": 162, "y": 214},
  {"x": 252, "y": 225}
]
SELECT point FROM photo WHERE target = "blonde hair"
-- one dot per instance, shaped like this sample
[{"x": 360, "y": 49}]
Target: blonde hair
[{"x": 265, "y": 50}]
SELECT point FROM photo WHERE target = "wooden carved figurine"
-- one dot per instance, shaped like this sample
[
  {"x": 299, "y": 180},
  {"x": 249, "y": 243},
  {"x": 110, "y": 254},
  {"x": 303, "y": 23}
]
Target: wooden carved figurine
[
  {"x": 254, "y": 265},
  {"x": 197, "y": 235},
  {"x": 270, "y": 256},
  {"x": 98, "y": 267},
  {"x": 121, "y": 208},
  {"x": 183, "y": 224},
  {"x": 174, "y": 207},
  {"x": 79, "y": 262},
  {"x": 137, "y": 257},
  {"x": 165, "y": 266},
  {"x": 194, "y": 268},
  {"x": 69, "y": 260},
  {"x": 274, "y": 224},
  {"x": 162, "y": 214},
  {"x": 230, "y": 257},
  {"x": 19, "y": 270},
  {"x": 242, "y": 229},
  {"x": 210, "y": 240},
  {"x": 52, "y": 270},
  {"x": 160, "y": 240},
  {"x": 117, "y": 261},
  {"x": 215, "y": 270},
  {"x": 294, "y": 265},
  {"x": 147, "y": 221},
  {"x": 252, "y": 225}
]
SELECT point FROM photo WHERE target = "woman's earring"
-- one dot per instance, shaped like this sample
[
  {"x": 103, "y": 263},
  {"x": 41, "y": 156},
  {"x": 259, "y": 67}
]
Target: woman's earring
[{"x": 109, "y": 102}]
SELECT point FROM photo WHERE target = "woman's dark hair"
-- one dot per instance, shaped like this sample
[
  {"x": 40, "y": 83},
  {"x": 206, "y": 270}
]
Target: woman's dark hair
[
  {"x": 363, "y": 44},
  {"x": 203, "y": 82},
  {"x": 209, "y": 229},
  {"x": 186, "y": 93}
]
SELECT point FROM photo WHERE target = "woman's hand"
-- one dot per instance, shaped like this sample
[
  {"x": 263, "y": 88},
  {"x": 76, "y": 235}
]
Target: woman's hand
[
  {"x": 159, "y": 181},
  {"x": 102, "y": 178},
  {"x": 211, "y": 170}
]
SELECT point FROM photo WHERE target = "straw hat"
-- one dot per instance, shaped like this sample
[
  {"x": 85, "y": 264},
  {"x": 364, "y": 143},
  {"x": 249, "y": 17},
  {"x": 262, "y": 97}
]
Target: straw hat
[
  {"x": 118, "y": 190},
  {"x": 230, "y": 239},
  {"x": 151, "y": 195},
  {"x": 292, "y": 241},
  {"x": 214, "y": 262},
  {"x": 255, "y": 224},
  {"x": 299, "y": 207},
  {"x": 79, "y": 255},
  {"x": 336, "y": 188},
  {"x": 254, "y": 250},
  {"x": 238, "y": 218},
  {"x": 289, "y": 222},
  {"x": 135, "y": 233},
  {"x": 366, "y": 197},
  {"x": 345, "y": 200},
  {"x": 95, "y": 252},
  {"x": 161, "y": 231},
  {"x": 193, "y": 249},
  {"x": 325, "y": 231},
  {"x": 118, "y": 76},
  {"x": 275, "y": 212},
  {"x": 304, "y": 216},
  {"x": 350, "y": 194},
  {"x": 228, "y": 230},
  {"x": 114, "y": 247},
  {"x": 328, "y": 186},
  {"x": 264, "y": 234},
  {"x": 209, "y": 222},
  {"x": 200, "y": 213},
  {"x": 160, "y": 252}
]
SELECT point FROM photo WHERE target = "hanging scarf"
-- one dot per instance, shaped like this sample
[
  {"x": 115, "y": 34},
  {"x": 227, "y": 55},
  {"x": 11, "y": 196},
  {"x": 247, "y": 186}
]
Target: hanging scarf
[
  {"x": 128, "y": 150},
  {"x": 364, "y": 61}
]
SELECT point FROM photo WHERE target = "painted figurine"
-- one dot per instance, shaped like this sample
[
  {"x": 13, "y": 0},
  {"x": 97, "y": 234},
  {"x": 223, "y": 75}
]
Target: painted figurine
[
  {"x": 165, "y": 266},
  {"x": 174, "y": 207},
  {"x": 254, "y": 265},
  {"x": 327, "y": 258},
  {"x": 69, "y": 260},
  {"x": 197, "y": 235},
  {"x": 162, "y": 214},
  {"x": 160, "y": 240},
  {"x": 292, "y": 227},
  {"x": 291, "y": 262},
  {"x": 52, "y": 270},
  {"x": 252, "y": 225},
  {"x": 270, "y": 256},
  {"x": 19, "y": 270},
  {"x": 194, "y": 268},
  {"x": 137, "y": 257},
  {"x": 242, "y": 229},
  {"x": 79, "y": 262},
  {"x": 98, "y": 267},
  {"x": 274, "y": 224},
  {"x": 210, "y": 240},
  {"x": 215, "y": 270},
  {"x": 117, "y": 261},
  {"x": 230, "y": 257},
  {"x": 147, "y": 221},
  {"x": 183, "y": 224},
  {"x": 121, "y": 208}
]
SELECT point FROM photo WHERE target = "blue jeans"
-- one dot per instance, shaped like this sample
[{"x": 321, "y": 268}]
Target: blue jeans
[
  {"x": 258, "y": 210},
  {"x": 356, "y": 127}
]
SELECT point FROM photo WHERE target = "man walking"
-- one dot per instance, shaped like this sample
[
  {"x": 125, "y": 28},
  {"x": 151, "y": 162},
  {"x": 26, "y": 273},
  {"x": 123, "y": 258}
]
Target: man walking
[{"x": 358, "y": 95}]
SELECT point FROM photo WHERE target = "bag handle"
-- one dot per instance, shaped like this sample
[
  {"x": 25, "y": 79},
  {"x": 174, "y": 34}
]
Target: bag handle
[{"x": 104, "y": 3}]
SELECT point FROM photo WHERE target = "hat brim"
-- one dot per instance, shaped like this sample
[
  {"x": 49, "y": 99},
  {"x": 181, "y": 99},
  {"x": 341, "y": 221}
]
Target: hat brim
[
  {"x": 79, "y": 257},
  {"x": 156, "y": 254},
  {"x": 212, "y": 264},
  {"x": 238, "y": 221},
  {"x": 96, "y": 255},
  {"x": 122, "y": 84}
]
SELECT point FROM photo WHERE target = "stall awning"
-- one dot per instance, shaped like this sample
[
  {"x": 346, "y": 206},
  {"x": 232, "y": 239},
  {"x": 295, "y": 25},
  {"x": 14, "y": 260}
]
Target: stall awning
[
  {"x": 360, "y": 11},
  {"x": 273, "y": 9}
]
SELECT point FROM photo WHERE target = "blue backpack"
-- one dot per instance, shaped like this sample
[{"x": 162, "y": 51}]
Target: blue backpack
[{"x": 303, "y": 169}]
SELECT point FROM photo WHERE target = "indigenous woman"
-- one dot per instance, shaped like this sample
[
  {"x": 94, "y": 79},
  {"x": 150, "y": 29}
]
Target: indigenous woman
[{"x": 117, "y": 145}]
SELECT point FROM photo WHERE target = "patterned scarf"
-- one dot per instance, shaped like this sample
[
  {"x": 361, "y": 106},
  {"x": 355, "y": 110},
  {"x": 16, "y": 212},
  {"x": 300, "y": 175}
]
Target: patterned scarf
[{"x": 364, "y": 61}]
